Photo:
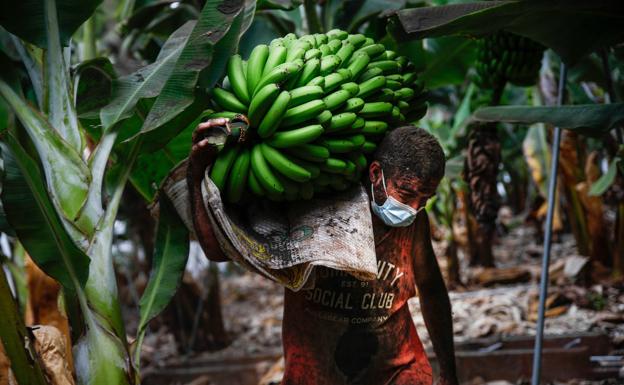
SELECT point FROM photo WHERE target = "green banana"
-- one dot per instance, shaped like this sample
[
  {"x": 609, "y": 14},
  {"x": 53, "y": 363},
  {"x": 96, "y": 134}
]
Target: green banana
[
  {"x": 354, "y": 104},
  {"x": 263, "y": 172},
  {"x": 227, "y": 100},
  {"x": 255, "y": 66},
  {"x": 320, "y": 38},
  {"x": 332, "y": 81},
  {"x": 325, "y": 50},
  {"x": 336, "y": 34},
  {"x": 350, "y": 169},
  {"x": 274, "y": 115},
  {"x": 329, "y": 63},
  {"x": 284, "y": 165},
  {"x": 372, "y": 127},
  {"x": 314, "y": 53},
  {"x": 318, "y": 81},
  {"x": 304, "y": 94},
  {"x": 341, "y": 121},
  {"x": 357, "y": 40},
  {"x": 387, "y": 66},
  {"x": 396, "y": 113},
  {"x": 370, "y": 86},
  {"x": 296, "y": 137},
  {"x": 375, "y": 109},
  {"x": 311, "y": 69},
  {"x": 346, "y": 73},
  {"x": 334, "y": 166},
  {"x": 279, "y": 74},
  {"x": 352, "y": 87},
  {"x": 357, "y": 140},
  {"x": 337, "y": 146},
  {"x": 345, "y": 52},
  {"x": 223, "y": 114},
  {"x": 237, "y": 78},
  {"x": 221, "y": 167},
  {"x": 237, "y": 179},
  {"x": 334, "y": 45},
  {"x": 358, "y": 124},
  {"x": 372, "y": 50},
  {"x": 261, "y": 102},
  {"x": 324, "y": 118},
  {"x": 358, "y": 64},
  {"x": 370, "y": 73},
  {"x": 277, "y": 56},
  {"x": 404, "y": 94},
  {"x": 253, "y": 184},
  {"x": 303, "y": 112},
  {"x": 310, "y": 152},
  {"x": 336, "y": 99},
  {"x": 369, "y": 147}
]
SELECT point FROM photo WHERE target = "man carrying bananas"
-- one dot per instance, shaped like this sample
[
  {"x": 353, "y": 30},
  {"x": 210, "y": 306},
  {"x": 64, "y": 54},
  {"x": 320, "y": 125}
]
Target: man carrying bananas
[{"x": 346, "y": 331}]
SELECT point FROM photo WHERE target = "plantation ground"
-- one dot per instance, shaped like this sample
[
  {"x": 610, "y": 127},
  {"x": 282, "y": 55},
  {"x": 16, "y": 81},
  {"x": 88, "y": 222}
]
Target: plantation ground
[{"x": 253, "y": 305}]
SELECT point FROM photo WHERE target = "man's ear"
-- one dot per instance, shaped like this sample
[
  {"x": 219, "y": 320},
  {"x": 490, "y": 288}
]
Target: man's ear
[{"x": 375, "y": 173}]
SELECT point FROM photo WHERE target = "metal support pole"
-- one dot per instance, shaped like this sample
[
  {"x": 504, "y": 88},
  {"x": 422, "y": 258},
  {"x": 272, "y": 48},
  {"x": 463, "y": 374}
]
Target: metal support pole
[{"x": 552, "y": 187}]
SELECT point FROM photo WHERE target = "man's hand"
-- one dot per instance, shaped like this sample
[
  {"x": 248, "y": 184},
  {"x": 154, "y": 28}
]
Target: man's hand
[{"x": 203, "y": 151}]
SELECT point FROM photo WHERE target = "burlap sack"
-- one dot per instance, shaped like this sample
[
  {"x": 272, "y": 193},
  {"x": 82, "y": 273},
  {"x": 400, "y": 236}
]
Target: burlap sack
[{"x": 285, "y": 241}]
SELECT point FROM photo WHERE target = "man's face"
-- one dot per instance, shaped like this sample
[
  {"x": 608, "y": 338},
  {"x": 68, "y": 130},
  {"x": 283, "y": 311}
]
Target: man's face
[{"x": 406, "y": 189}]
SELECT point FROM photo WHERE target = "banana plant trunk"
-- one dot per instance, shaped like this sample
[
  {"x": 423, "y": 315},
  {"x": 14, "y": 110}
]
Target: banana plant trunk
[{"x": 481, "y": 170}]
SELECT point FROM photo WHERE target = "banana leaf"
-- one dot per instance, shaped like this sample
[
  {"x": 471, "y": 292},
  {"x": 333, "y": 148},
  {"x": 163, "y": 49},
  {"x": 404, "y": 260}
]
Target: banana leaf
[
  {"x": 171, "y": 252},
  {"x": 66, "y": 174},
  {"x": 606, "y": 180},
  {"x": 27, "y": 19},
  {"x": 571, "y": 28},
  {"x": 32, "y": 216},
  {"x": 147, "y": 82},
  {"x": 213, "y": 40},
  {"x": 587, "y": 119}
]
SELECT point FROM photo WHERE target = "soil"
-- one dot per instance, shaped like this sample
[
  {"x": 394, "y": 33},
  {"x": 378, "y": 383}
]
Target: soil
[{"x": 252, "y": 305}]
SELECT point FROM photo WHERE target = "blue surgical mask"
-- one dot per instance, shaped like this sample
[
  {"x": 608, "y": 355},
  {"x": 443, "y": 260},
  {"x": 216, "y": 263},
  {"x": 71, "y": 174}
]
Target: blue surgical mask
[{"x": 393, "y": 213}]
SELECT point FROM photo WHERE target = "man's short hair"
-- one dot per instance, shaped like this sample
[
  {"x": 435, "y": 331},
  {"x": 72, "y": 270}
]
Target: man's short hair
[{"x": 411, "y": 151}]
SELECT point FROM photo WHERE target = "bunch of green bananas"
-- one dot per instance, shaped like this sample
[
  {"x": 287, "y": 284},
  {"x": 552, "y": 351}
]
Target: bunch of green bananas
[
  {"x": 317, "y": 106},
  {"x": 504, "y": 56}
]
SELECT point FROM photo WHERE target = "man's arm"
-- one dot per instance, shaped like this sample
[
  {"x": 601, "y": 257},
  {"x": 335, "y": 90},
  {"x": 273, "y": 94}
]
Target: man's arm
[
  {"x": 434, "y": 301},
  {"x": 202, "y": 154}
]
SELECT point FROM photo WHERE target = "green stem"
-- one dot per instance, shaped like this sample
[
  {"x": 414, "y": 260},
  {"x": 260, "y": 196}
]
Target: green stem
[
  {"x": 314, "y": 23},
  {"x": 126, "y": 10},
  {"x": 88, "y": 39},
  {"x": 14, "y": 338}
]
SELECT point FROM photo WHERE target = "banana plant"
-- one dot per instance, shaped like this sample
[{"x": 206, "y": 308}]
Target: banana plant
[{"x": 58, "y": 164}]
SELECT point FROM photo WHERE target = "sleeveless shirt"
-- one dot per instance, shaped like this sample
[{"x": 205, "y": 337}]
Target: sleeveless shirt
[{"x": 347, "y": 331}]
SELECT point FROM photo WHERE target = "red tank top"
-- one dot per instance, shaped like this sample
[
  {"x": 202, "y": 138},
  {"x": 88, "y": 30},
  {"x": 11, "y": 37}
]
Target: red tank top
[{"x": 346, "y": 331}]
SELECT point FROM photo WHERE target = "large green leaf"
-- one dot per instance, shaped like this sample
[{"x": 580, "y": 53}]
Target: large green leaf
[
  {"x": 26, "y": 18},
  {"x": 572, "y": 28},
  {"x": 447, "y": 60},
  {"x": 587, "y": 119},
  {"x": 57, "y": 91},
  {"x": 66, "y": 174},
  {"x": 32, "y": 216},
  {"x": 213, "y": 40},
  {"x": 14, "y": 338},
  {"x": 170, "y": 255},
  {"x": 147, "y": 82}
]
